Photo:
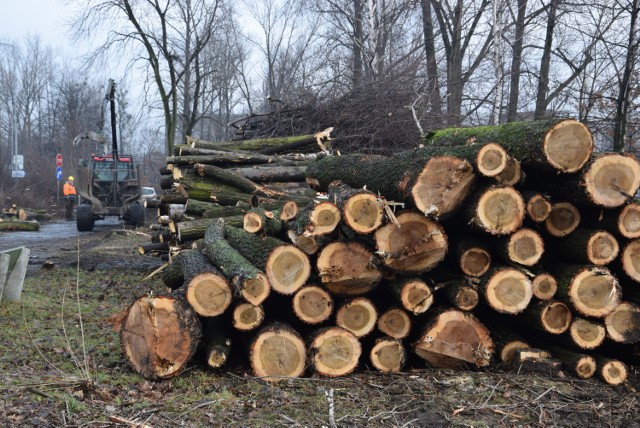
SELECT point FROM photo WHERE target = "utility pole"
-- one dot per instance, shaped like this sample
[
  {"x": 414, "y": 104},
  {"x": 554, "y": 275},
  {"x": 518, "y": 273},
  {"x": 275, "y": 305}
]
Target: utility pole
[{"x": 16, "y": 160}]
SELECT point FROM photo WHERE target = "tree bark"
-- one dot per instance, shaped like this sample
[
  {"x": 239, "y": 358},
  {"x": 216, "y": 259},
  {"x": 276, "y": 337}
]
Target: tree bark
[
  {"x": 589, "y": 246},
  {"x": 581, "y": 365}
]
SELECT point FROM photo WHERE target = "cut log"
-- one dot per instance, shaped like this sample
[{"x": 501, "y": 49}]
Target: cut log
[
  {"x": 247, "y": 280},
  {"x": 174, "y": 198},
  {"x": 228, "y": 177},
  {"x": 312, "y": 142},
  {"x": 436, "y": 186},
  {"x": 413, "y": 294},
  {"x": 496, "y": 210},
  {"x": 586, "y": 334},
  {"x": 317, "y": 219},
  {"x": 395, "y": 323},
  {"x": 474, "y": 259},
  {"x": 524, "y": 247},
  {"x": 348, "y": 268},
  {"x": 505, "y": 338},
  {"x": 592, "y": 291},
  {"x": 334, "y": 352},
  {"x": 281, "y": 172},
  {"x": 195, "y": 207},
  {"x": 217, "y": 343},
  {"x": 563, "y": 219},
  {"x": 258, "y": 219},
  {"x": 361, "y": 210},
  {"x": 512, "y": 174},
  {"x": 414, "y": 245},
  {"x": 187, "y": 231},
  {"x": 544, "y": 286},
  {"x": 453, "y": 338},
  {"x": 312, "y": 304},
  {"x": 153, "y": 249},
  {"x": 159, "y": 336},
  {"x": 358, "y": 315},
  {"x": 559, "y": 145},
  {"x": 205, "y": 288},
  {"x": 623, "y": 324},
  {"x": 388, "y": 355},
  {"x": 630, "y": 258},
  {"x": 624, "y": 221},
  {"x": 506, "y": 290},
  {"x": 247, "y": 317},
  {"x": 590, "y": 246},
  {"x": 286, "y": 266},
  {"x": 277, "y": 353},
  {"x": 611, "y": 371},
  {"x": 549, "y": 316},
  {"x": 458, "y": 295},
  {"x": 19, "y": 226},
  {"x": 308, "y": 243},
  {"x": 172, "y": 275},
  {"x": 581, "y": 365},
  {"x": 609, "y": 181},
  {"x": 538, "y": 206},
  {"x": 629, "y": 221}
]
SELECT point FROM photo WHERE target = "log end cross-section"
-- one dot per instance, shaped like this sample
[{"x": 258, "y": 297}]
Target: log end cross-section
[
  {"x": 348, "y": 268},
  {"x": 475, "y": 261},
  {"x": 278, "y": 352},
  {"x": 612, "y": 372},
  {"x": 159, "y": 336},
  {"x": 491, "y": 160},
  {"x": 454, "y": 338},
  {"x": 415, "y": 245},
  {"x": 568, "y": 145},
  {"x": 602, "y": 248},
  {"x": 287, "y": 269},
  {"x": 358, "y": 315},
  {"x": 395, "y": 323},
  {"x": 563, "y": 219},
  {"x": 629, "y": 221},
  {"x": 587, "y": 334},
  {"x": 256, "y": 290},
  {"x": 544, "y": 286},
  {"x": 388, "y": 355},
  {"x": 612, "y": 179},
  {"x": 623, "y": 324},
  {"x": 506, "y": 290},
  {"x": 525, "y": 247},
  {"x": 538, "y": 208},
  {"x": 312, "y": 304},
  {"x": 335, "y": 352},
  {"x": 500, "y": 210},
  {"x": 631, "y": 259},
  {"x": 594, "y": 292},
  {"x": 363, "y": 213},
  {"x": 550, "y": 316},
  {"x": 247, "y": 317},
  {"x": 442, "y": 186},
  {"x": 209, "y": 294}
]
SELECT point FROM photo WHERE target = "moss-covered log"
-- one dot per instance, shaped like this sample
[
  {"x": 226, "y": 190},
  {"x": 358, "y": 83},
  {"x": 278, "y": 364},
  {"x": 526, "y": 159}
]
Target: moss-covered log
[
  {"x": 305, "y": 143},
  {"x": 186, "y": 231},
  {"x": 19, "y": 226},
  {"x": 222, "y": 175},
  {"x": 562, "y": 145},
  {"x": 247, "y": 280},
  {"x": 287, "y": 267},
  {"x": 436, "y": 186},
  {"x": 198, "y": 208}
]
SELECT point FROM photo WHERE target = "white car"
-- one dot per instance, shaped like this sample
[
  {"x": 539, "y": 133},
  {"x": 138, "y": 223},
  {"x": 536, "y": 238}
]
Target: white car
[{"x": 149, "y": 193}]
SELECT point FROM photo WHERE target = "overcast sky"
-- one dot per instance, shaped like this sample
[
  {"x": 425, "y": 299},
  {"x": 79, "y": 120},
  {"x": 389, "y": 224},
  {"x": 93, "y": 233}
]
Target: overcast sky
[{"x": 20, "y": 18}]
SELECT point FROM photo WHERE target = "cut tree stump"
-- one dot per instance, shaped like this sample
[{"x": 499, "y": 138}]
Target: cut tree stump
[
  {"x": 557, "y": 145},
  {"x": 388, "y": 355},
  {"x": 334, "y": 352},
  {"x": 414, "y": 245},
  {"x": 453, "y": 338},
  {"x": 312, "y": 304},
  {"x": 247, "y": 280},
  {"x": 205, "y": 288},
  {"x": 277, "y": 353},
  {"x": 436, "y": 187},
  {"x": 506, "y": 290},
  {"x": 593, "y": 291},
  {"x": 159, "y": 336},
  {"x": 358, "y": 315},
  {"x": 361, "y": 209},
  {"x": 623, "y": 324},
  {"x": 395, "y": 323},
  {"x": 348, "y": 268},
  {"x": 563, "y": 219},
  {"x": 586, "y": 333}
]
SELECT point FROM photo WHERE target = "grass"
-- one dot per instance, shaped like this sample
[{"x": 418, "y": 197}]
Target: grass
[{"x": 61, "y": 364}]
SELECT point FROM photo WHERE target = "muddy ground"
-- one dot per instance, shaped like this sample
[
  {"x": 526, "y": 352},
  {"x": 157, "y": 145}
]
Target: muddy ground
[{"x": 61, "y": 364}]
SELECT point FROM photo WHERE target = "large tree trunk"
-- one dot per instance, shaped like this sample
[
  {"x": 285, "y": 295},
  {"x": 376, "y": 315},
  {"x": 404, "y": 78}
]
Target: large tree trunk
[{"x": 159, "y": 336}]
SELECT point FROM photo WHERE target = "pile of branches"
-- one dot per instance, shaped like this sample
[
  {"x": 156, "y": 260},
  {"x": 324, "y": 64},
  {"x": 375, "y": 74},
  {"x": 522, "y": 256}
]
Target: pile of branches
[{"x": 506, "y": 244}]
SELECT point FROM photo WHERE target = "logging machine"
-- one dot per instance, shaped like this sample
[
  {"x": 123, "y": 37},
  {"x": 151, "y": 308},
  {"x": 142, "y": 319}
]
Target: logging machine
[{"x": 108, "y": 184}]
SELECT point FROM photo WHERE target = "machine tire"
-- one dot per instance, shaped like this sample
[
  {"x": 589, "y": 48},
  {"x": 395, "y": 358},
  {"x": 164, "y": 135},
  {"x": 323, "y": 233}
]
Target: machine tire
[
  {"x": 135, "y": 215},
  {"x": 84, "y": 218}
]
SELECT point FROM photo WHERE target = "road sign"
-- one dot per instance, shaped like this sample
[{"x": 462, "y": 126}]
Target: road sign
[
  {"x": 59, "y": 160},
  {"x": 59, "y": 173}
]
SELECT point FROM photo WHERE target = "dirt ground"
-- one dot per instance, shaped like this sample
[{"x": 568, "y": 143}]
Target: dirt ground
[{"x": 61, "y": 365}]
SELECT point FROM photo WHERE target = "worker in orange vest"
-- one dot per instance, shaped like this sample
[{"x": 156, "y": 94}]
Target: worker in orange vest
[{"x": 69, "y": 192}]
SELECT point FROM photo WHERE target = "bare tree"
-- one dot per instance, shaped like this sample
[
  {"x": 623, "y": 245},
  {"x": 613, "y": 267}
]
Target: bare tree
[{"x": 172, "y": 35}]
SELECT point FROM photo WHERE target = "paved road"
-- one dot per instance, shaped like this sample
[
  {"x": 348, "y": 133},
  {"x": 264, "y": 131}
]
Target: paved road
[{"x": 53, "y": 238}]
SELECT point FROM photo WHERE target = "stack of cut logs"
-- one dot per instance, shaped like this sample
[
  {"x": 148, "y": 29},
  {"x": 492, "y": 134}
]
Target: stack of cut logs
[{"x": 509, "y": 244}]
